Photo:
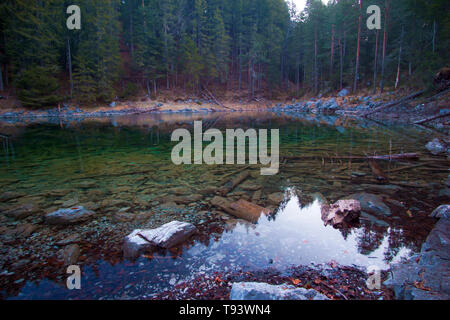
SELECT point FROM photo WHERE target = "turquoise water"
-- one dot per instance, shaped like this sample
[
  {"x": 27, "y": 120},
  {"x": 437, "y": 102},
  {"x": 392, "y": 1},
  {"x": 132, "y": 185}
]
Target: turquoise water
[{"x": 121, "y": 169}]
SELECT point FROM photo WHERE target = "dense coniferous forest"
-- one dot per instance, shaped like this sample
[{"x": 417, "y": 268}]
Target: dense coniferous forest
[{"x": 250, "y": 47}]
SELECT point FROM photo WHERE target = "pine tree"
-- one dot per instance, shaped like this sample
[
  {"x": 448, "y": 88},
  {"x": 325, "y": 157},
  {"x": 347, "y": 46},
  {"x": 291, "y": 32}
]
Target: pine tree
[{"x": 32, "y": 46}]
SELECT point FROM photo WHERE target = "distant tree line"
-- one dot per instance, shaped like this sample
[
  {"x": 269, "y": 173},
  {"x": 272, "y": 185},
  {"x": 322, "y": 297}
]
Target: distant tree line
[{"x": 250, "y": 47}]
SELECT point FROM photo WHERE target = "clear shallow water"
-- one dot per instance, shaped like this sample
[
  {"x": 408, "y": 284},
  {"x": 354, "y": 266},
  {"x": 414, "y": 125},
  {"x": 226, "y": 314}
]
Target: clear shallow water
[{"x": 125, "y": 164}]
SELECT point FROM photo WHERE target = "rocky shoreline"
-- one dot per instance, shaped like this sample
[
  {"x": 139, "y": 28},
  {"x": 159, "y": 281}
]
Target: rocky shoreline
[{"x": 343, "y": 104}]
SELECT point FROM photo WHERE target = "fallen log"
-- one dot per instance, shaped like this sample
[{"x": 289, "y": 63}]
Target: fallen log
[
  {"x": 436, "y": 96},
  {"x": 106, "y": 175},
  {"x": 228, "y": 187},
  {"x": 393, "y": 104},
  {"x": 399, "y": 156},
  {"x": 432, "y": 118},
  {"x": 214, "y": 99},
  {"x": 241, "y": 209},
  {"x": 234, "y": 172}
]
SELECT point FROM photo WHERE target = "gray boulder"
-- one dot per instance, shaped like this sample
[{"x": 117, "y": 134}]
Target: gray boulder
[
  {"x": 425, "y": 276},
  {"x": 69, "y": 216},
  {"x": 166, "y": 236},
  {"x": 441, "y": 212},
  {"x": 264, "y": 291},
  {"x": 436, "y": 147},
  {"x": 371, "y": 203},
  {"x": 343, "y": 93},
  {"x": 329, "y": 106}
]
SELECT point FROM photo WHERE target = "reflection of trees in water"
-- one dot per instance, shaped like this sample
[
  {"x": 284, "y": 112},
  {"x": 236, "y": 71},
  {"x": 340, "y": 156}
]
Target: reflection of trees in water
[
  {"x": 369, "y": 239},
  {"x": 395, "y": 242},
  {"x": 345, "y": 232},
  {"x": 8, "y": 147}
]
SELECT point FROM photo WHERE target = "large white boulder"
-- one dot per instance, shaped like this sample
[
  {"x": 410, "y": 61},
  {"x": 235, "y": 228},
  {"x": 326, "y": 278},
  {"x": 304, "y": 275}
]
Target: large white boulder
[
  {"x": 166, "y": 236},
  {"x": 264, "y": 291}
]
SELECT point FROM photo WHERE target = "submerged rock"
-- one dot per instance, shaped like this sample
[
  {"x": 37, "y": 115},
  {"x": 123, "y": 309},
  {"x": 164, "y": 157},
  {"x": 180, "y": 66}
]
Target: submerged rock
[
  {"x": 445, "y": 193},
  {"x": 264, "y": 291},
  {"x": 276, "y": 198},
  {"x": 69, "y": 216},
  {"x": 166, "y": 236},
  {"x": 22, "y": 211},
  {"x": 241, "y": 209},
  {"x": 9, "y": 195},
  {"x": 436, "y": 147},
  {"x": 371, "y": 203}
]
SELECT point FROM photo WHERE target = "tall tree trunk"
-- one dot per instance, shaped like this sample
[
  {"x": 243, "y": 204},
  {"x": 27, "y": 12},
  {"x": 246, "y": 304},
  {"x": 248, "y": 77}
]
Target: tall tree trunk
[
  {"x": 149, "y": 92},
  {"x": 6, "y": 76},
  {"x": 434, "y": 36},
  {"x": 332, "y": 52},
  {"x": 355, "y": 83},
  {"x": 250, "y": 79},
  {"x": 131, "y": 32},
  {"x": 383, "y": 61},
  {"x": 341, "y": 64},
  {"x": 240, "y": 75},
  {"x": 2, "y": 87},
  {"x": 69, "y": 60},
  {"x": 375, "y": 63},
  {"x": 399, "y": 58},
  {"x": 316, "y": 72}
]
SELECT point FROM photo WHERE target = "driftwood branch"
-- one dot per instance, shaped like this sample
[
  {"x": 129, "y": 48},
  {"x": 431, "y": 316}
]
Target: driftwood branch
[
  {"x": 436, "y": 96},
  {"x": 400, "y": 156},
  {"x": 214, "y": 98},
  {"x": 432, "y": 118},
  {"x": 393, "y": 104}
]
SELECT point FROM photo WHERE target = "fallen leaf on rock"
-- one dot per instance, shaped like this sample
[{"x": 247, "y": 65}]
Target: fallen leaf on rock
[{"x": 421, "y": 285}]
